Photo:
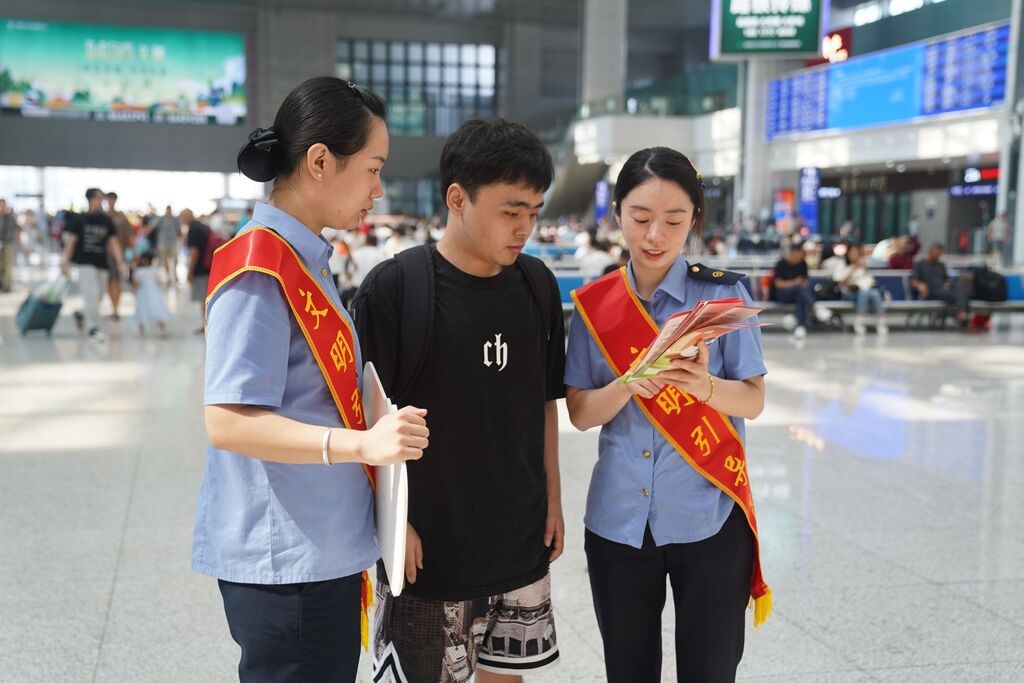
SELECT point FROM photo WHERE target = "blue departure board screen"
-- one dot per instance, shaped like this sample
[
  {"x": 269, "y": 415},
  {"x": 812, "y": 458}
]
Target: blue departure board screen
[{"x": 892, "y": 86}]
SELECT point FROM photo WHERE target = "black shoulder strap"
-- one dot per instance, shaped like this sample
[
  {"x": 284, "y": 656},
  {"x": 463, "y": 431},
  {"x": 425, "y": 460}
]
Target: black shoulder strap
[
  {"x": 539, "y": 278},
  {"x": 417, "y": 323}
]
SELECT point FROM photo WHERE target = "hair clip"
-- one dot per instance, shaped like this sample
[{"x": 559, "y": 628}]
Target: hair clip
[
  {"x": 263, "y": 138},
  {"x": 699, "y": 176}
]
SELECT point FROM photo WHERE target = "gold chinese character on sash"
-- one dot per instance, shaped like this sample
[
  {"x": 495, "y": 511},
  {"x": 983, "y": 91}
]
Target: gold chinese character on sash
[
  {"x": 341, "y": 353},
  {"x": 737, "y": 467},
  {"x": 357, "y": 405},
  {"x": 668, "y": 400},
  {"x": 701, "y": 441},
  {"x": 311, "y": 308}
]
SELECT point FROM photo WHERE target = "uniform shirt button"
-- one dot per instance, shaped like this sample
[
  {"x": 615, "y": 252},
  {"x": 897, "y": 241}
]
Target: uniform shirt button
[
  {"x": 323, "y": 272},
  {"x": 646, "y": 453},
  {"x": 645, "y": 492}
]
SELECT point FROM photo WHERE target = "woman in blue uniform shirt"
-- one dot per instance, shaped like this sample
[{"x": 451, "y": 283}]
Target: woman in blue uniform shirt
[
  {"x": 649, "y": 513},
  {"x": 287, "y": 536}
]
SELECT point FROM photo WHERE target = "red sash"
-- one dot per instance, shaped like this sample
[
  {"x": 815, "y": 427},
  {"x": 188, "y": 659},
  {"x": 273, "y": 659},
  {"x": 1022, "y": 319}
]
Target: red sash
[
  {"x": 705, "y": 438},
  {"x": 327, "y": 331}
]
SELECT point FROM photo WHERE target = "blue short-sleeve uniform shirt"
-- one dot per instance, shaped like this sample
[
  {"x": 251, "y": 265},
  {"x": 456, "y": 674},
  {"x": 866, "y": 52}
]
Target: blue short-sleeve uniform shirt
[
  {"x": 264, "y": 522},
  {"x": 681, "y": 506}
]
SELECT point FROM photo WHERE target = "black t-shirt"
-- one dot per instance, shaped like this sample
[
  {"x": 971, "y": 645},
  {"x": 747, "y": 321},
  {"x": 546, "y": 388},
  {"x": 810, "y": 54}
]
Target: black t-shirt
[
  {"x": 784, "y": 270},
  {"x": 93, "y": 231},
  {"x": 198, "y": 234},
  {"x": 478, "y": 497}
]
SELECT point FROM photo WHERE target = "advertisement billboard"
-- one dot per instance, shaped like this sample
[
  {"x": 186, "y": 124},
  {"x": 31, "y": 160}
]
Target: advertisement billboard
[{"x": 121, "y": 73}]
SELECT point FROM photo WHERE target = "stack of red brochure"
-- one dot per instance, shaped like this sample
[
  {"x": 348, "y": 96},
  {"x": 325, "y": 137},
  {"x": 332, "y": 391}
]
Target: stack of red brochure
[{"x": 681, "y": 334}]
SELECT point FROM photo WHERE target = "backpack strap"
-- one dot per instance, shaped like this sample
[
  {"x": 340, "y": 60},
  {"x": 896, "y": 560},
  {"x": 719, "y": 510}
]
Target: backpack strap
[
  {"x": 539, "y": 278},
  {"x": 417, "y": 322}
]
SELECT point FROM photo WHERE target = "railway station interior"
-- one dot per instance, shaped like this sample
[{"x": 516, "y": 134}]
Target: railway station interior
[{"x": 873, "y": 147}]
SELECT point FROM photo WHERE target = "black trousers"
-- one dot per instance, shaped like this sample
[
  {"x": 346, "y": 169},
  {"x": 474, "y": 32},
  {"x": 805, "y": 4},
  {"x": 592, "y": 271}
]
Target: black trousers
[
  {"x": 710, "y": 588},
  {"x": 295, "y": 633}
]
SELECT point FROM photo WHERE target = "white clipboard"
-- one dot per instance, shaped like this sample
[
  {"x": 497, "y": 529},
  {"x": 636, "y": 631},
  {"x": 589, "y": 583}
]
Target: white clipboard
[{"x": 391, "y": 497}]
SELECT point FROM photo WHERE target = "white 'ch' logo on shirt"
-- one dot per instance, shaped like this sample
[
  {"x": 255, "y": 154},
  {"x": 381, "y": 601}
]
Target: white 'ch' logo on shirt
[{"x": 500, "y": 353}]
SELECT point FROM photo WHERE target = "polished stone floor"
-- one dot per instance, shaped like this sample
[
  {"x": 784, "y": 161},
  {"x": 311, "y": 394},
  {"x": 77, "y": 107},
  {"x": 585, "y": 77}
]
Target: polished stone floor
[{"x": 889, "y": 476}]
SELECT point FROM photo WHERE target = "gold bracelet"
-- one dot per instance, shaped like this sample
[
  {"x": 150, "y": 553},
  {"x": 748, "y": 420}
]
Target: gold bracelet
[{"x": 711, "y": 394}]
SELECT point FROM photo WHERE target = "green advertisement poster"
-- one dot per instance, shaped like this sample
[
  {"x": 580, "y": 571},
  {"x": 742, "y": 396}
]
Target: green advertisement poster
[
  {"x": 767, "y": 28},
  {"x": 121, "y": 73}
]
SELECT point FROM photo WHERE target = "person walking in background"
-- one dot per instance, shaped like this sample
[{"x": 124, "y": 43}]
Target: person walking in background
[
  {"x": 10, "y": 238},
  {"x": 166, "y": 234},
  {"x": 124, "y": 239},
  {"x": 198, "y": 277},
  {"x": 150, "y": 307},
  {"x": 92, "y": 238}
]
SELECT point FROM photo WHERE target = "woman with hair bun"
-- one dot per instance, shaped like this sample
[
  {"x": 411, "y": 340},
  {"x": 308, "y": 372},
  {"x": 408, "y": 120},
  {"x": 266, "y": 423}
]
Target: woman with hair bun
[
  {"x": 285, "y": 517},
  {"x": 670, "y": 495}
]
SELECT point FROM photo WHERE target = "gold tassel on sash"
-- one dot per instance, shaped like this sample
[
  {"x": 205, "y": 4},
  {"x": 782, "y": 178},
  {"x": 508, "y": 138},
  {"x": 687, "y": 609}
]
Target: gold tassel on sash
[
  {"x": 366, "y": 601},
  {"x": 762, "y": 608}
]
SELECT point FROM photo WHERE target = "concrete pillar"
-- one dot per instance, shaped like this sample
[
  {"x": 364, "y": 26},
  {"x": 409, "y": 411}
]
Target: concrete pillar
[{"x": 605, "y": 25}]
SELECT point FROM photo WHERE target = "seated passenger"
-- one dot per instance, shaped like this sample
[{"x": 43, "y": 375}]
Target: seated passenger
[{"x": 791, "y": 284}]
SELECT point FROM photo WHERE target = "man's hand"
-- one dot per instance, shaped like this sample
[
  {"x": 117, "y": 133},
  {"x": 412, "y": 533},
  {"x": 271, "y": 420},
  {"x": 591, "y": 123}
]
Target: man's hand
[
  {"x": 554, "y": 530},
  {"x": 413, "y": 554}
]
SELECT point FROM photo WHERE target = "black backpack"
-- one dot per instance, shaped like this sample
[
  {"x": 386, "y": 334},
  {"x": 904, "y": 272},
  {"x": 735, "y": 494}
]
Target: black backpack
[
  {"x": 418, "y": 304},
  {"x": 989, "y": 285}
]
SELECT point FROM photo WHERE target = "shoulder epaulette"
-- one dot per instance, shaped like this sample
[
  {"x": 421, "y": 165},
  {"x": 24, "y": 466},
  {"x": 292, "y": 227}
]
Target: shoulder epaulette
[{"x": 698, "y": 271}]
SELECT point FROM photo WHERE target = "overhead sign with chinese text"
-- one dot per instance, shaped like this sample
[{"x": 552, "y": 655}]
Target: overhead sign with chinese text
[{"x": 766, "y": 28}]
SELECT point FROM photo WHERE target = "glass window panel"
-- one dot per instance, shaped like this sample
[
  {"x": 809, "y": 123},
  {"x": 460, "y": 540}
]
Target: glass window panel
[
  {"x": 433, "y": 53},
  {"x": 360, "y": 50},
  {"x": 451, "y": 75},
  {"x": 360, "y": 72},
  {"x": 450, "y": 96},
  {"x": 415, "y": 52},
  {"x": 397, "y": 96},
  {"x": 468, "y": 96},
  {"x": 343, "y": 51},
  {"x": 415, "y": 74},
  {"x": 468, "y": 75},
  {"x": 485, "y": 77},
  {"x": 380, "y": 51},
  {"x": 344, "y": 72},
  {"x": 397, "y": 52},
  {"x": 398, "y": 73},
  {"x": 379, "y": 73},
  {"x": 487, "y": 106},
  {"x": 485, "y": 55},
  {"x": 434, "y": 75},
  {"x": 451, "y": 53},
  {"x": 468, "y": 54}
]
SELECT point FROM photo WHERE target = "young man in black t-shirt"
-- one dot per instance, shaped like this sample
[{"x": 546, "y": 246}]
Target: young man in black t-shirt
[
  {"x": 484, "y": 501},
  {"x": 91, "y": 239}
]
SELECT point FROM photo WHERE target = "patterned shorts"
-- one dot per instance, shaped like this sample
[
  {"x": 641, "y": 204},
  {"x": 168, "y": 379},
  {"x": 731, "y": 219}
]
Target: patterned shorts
[{"x": 417, "y": 640}]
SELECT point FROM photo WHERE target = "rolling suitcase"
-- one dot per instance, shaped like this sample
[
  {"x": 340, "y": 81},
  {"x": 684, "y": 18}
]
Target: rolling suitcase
[
  {"x": 42, "y": 307},
  {"x": 37, "y": 314}
]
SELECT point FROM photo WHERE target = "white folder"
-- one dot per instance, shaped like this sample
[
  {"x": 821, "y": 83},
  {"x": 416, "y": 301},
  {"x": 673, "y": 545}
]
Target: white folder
[{"x": 391, "y": 498}]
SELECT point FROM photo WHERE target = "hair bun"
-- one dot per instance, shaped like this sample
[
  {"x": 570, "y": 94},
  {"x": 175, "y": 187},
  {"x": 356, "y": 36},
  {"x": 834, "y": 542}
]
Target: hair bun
[{"x": 256, "y": 159}]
